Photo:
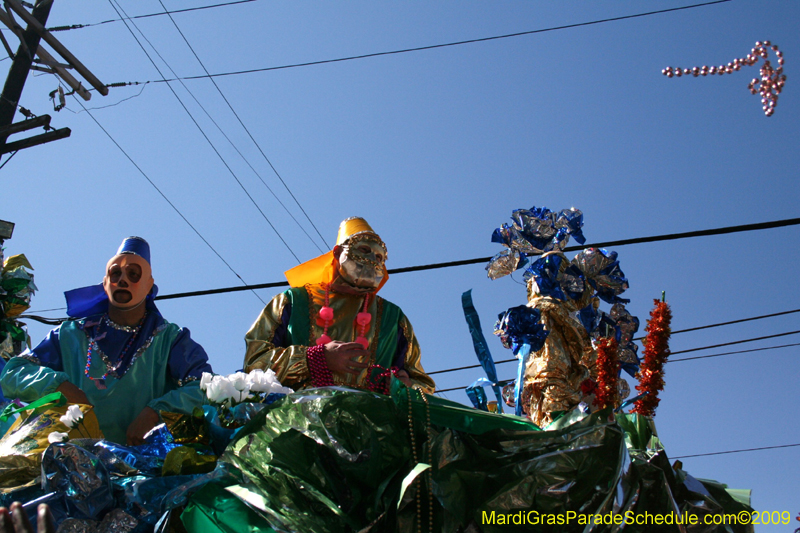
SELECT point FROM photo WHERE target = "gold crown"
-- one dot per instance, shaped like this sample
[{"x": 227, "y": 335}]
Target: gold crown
[{"x": 354, "y": 226}]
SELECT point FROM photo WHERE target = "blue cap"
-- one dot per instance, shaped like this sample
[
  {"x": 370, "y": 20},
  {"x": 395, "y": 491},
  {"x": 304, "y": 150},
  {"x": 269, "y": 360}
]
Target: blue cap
[{"x": 135, "y": 246}]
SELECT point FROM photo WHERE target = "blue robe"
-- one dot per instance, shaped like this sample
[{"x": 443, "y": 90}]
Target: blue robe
[{"x": 163, "y": 375}]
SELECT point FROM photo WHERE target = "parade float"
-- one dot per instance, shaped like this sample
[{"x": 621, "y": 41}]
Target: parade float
[{"x": 566, "y": 456}]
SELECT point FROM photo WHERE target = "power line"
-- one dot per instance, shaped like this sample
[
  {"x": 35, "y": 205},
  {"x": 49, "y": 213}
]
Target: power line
[
  {"x": 729, "y": 323},
  {"x": 202, "y": 107},
  {"x": 164, "y": 196},
  {"x": 252, "y": 139},
  {"x": 732, "y": 353},
  {"x": 737, "y": 451},
  {"x": 623, "y": 242},
  {"x": 737, "y": 342},
  {"x": 201, "y": 129},
  {"x": 79, "y": 26},
  {"x": 434, "y": 266},
  {"x": 514, "y": 360},
  {"x": 9, "y": 158},
  {"x": 455, "y": 43}
]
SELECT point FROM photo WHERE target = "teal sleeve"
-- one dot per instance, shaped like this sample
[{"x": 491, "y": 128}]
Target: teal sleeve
[
  {"x": 28, "y": 381},
  {"x": 181, "y": 400}
]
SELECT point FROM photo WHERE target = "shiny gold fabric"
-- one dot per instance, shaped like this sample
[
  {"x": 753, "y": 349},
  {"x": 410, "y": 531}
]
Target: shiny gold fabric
[
  {"x": 554, "y": 374},
  {"x": 290, "y": 363},
  {"x": 186, "y": 429},
  {"x": 19, "y": 471}
]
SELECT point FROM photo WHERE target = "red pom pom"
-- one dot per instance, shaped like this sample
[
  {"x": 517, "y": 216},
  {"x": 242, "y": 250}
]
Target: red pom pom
[
  {"x": 363, "y": 318},
  {"x": 326, "y": 313},
  {"x": 363, "y": 342},
  {"x": 323, "y": 339}
]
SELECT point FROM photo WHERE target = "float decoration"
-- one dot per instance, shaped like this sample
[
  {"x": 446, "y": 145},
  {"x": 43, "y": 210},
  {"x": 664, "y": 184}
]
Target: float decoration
[
  {"x": 656, "y": 352},
  {"x": 475, "y": 391},
  {"x": 520, "y": 329},
  {"x": 239, "y": 395},
  {"x": 606, "y": 394},
  {"x": 562, "y": 373},
  {"x": 533, "y": 231},
  {"x": 16, "y": 290},
  {"x": 769, "y": 86}
]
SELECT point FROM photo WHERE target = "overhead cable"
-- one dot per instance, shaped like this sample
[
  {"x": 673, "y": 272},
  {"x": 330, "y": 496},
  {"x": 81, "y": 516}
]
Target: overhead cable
[
  {"x": 254, "y": 142},
  {"x": 445, "y": 45},
  {"x": 754, "y": 339},
  {"x": 9, "y": 158},
  {"x": 164, "y": 196},
  {"x": 515, "y": 360},
  {"x": 434, "y": 266},
  {"x": 79, "y": 26},
  {"x": 729, "y": 323},
  {"x": 732, "y": 353},
  {"x": 737, "y": 451},
  {"x": 202, "y": 132}
]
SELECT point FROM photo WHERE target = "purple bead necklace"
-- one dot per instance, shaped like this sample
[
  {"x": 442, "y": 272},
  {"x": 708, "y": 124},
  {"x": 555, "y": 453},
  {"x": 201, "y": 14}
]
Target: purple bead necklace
[{"x": 100, "y": 382}]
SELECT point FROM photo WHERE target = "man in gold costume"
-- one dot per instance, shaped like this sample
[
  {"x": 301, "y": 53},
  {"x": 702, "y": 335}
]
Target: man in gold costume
[{"x": 331, "y": 327}]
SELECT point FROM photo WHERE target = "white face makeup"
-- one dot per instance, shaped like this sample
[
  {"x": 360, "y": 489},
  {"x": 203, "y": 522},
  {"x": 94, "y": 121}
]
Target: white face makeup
[
  {"x": 361, "y": 263},
  {"x": 128, "y": 281}
]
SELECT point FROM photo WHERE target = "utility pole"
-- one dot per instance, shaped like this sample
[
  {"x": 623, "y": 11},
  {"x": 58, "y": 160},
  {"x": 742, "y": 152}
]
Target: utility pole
[{"x": 21, "y": 65}]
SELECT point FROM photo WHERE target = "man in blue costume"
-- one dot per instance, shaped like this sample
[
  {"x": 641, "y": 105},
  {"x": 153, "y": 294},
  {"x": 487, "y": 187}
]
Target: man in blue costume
[{"x": 117, "y": 354}]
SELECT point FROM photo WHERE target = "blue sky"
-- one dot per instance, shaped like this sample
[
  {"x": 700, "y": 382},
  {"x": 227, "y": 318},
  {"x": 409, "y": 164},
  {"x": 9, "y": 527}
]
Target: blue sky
[{"x": 436, "y": 148}]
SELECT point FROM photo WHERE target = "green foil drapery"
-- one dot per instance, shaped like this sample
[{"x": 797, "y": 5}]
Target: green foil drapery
[{"x": 334, "y": 460}]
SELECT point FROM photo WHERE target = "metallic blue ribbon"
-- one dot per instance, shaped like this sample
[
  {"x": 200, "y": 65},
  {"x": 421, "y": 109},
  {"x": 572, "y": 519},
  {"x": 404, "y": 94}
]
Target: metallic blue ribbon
[
  {"x": 479, "y": 343},
  {"x": 523, "y": 353}
]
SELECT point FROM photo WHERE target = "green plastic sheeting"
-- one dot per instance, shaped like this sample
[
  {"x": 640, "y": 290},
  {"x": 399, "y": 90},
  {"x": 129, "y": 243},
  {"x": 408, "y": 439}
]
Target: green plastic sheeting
[
  {"x": 215, "y": 510},
  {"x": 334, "y": 460}
]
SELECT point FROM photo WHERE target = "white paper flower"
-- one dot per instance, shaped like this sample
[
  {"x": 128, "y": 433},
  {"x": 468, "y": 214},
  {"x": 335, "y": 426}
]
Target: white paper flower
[
  {"x": 240, "y": 387},
  {"x": 220, "y": 389},
  {"x": 73, "y": 417},
  {"x": 277, "y": 388},
  {"x": 205, "y": 379},
  {"x": 259, "y": 380},
  {"x": 267, "y": 382},
  {"x": 57, "y": 436}
]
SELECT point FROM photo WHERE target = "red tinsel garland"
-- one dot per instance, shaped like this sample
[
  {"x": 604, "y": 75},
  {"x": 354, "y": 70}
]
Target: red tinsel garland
[
  {"x": 656, "y": 351},
  {"x": 606, "y": 394}
]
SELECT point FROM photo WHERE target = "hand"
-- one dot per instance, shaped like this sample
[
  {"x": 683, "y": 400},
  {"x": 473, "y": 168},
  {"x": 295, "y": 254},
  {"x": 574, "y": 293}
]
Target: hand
[
  {"x": 72, "y": 393},
  {"x": 343, "y": 357},
  {"x": 402, "y": 375},
  {"x": 147, "y": 420},
  {"x": 17, "y": 520}
]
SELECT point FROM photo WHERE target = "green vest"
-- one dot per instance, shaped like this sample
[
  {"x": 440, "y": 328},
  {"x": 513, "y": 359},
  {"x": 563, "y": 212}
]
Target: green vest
[{"x": 388, "y": 325}]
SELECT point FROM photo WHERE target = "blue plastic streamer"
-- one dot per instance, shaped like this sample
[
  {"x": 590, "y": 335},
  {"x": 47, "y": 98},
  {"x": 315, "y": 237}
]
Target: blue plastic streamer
[
  {"x": 477, "y": 395},
  {"x": 479, "y": 343},
  {"x": 630, "y": 401},
  {"x": 523, "y": 353}
]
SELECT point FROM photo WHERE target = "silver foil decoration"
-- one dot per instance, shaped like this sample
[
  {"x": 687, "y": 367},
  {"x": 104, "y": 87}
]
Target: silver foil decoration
[
  {"x": 592, "y": 262},
  {"x": 503, "y": 264},
  {"x": 628, "y": 324},
  {"x": 116, "y": 521},
  {"x": 626, "y": 355},
  {"x": 623, "y": 388}
]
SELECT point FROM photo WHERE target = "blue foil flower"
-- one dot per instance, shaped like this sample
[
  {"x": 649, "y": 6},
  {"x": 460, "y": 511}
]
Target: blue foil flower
[
  {"x": 603, "y": 273},
  {"x": 521, "y": 325},
  {"x": 535, "y": 231},
  {"x": 544, "y": 272}
]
